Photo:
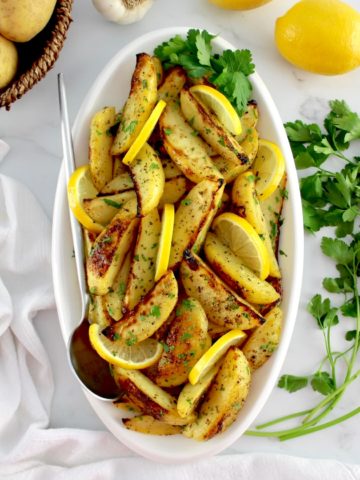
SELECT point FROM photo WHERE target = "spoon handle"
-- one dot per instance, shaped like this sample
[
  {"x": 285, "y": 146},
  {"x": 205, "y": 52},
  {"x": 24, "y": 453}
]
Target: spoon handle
[{"x": 69, "y": 164}]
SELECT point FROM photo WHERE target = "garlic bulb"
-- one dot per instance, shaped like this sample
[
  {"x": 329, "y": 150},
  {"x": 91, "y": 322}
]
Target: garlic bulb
[{"x": 123, "y": 11}]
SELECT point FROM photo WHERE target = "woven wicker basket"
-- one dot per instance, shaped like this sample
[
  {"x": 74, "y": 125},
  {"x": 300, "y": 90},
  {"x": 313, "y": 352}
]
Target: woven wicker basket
[{"x": 38, "y": 56}]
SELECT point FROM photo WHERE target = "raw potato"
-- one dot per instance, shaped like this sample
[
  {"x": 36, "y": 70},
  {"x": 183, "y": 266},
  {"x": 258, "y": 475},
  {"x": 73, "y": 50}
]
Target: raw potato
[
  {"x": 142, "y": 272},
  {"x": 222, "y": 306},
  {"x": 173, "y": 191},
  {"x": 225, "y": 398},
  {"x": 247, "y": 205},
  {"x": 244, "y": 282},
  {"x": 184, "y": 147},
  {"x": 191, "y": 395},
  {"x": 139, "y": 105},
  {"x": 8, "y": 61},
  {"x": 272, "y": 208},
  {"x": 264, "y": 340},
  {"x": 211, "y": 130},
  {"x": 100, "y": 143},
  {"x": 108, "y": 253},
  {"x": 150, "y": 426},
  {"x": 120, "y": 183},
  {"x": 148, "y": 315},
  {"x": 21, "y": 20},
  {"x": 172, "y": 85},
  {"x": 114, "y": 300},
  {"x": 103, "y": 209},
  {"x": 184, "y": 345},
  {"x": 193, "y": 216},
  {"x": 149, "y": 180}
]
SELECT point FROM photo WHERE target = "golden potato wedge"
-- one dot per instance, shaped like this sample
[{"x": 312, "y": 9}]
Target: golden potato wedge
[
  {"x": 100, "y": 143},
  {"x": 204, "y": 122},
  {"x": 174, "y": 190},
  {"x": 108, "y": 253},
  {"x": 229, "y": 170},
  {"x": 142, "y": 271},
  {"x": 130, "y": 381},
  {"x": 191, "y": 395},
  {"x": 103, "y": 209},
  {"x": 225, "y": 398},
  {"x": 159, "y": 70},
  {"x": 148, "y": 315},
  {"x": 170, "y": 169},
  {"x": 185, "y": 148},
  {"x": 216, "y": 331},
  {"x": 222, "y": 306},
  {"x": 150, "y": 426},
  {"x": 97, "y": 312},
  {"x": 193, "y": 217},
  {"x": 248, "y": 120},
  {"x": 264, "y": 340},
  {"x": 89, "y": 239},
  {"x": 118, "y": 184},
  {"x": 247, "y": 205},
  {"x": 139, "y": 105},
  {"x": 173, "y": 83},
  {"x": 149, "y": 180},
  {"x": 118, "y": 167},
  {"x": 127, "y": 406},
  {"x": 250, "y": 144},
  {"x": 240, "y": 278},
  {"x": 184, "y": 345},
  {"x": 272, "y": 208},
  {"x": 114, "y": 300}
]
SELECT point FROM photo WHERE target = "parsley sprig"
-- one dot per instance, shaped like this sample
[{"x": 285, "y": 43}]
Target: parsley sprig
[
  {"x": 330, "y": 198},
  {"x": 228, "y": 72}
]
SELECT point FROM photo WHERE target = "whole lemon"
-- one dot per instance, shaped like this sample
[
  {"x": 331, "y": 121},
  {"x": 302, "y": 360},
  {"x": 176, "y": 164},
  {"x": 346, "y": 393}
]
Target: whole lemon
[
  {"x": 239, "y": 4},
  {"x": 8, "y": 61},
  {"x": 321, "y": 36}
]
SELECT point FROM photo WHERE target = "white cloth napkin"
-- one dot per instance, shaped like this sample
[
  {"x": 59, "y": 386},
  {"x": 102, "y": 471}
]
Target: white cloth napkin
[{"x": 28, "y": 449}]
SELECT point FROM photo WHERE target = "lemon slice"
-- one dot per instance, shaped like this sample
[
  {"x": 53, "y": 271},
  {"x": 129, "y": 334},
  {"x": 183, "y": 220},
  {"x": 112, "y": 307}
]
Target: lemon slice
[
  {"x": 167, "y": 228},
  {"x": 145, "y": 133},
  {"x": 220, "y": 105},
  {"x": 80, "y": 186},
  {"x": 132, "y": 357},
  {"x": 269, "y": 168},
  {"x": 241, "y": 237},
  {"x": 215, "y": 352}
]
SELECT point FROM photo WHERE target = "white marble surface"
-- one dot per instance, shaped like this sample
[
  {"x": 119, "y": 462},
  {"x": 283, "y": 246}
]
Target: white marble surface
[{"x": 32, "y": 130}]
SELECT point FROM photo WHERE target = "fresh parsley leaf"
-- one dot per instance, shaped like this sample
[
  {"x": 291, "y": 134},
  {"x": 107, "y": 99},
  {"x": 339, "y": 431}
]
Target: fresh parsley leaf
[
  {"x": 322, "y": 382},
  {"x": 338, "y": 250},
  {"x": 112, "y": 203},
  {"x": 292, "y": 383}
]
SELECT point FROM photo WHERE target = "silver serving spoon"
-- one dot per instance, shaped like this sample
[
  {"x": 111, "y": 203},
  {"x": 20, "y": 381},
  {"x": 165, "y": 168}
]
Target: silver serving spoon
[{"x": 91, "y": 370}]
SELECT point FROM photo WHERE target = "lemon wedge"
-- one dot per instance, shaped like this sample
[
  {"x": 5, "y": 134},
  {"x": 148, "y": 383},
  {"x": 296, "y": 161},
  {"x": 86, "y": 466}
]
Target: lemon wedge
[
  {"x": 132, "y": 357},
  {"x": 145, "y": 133},
  {"x": 80, "y": 187},
  {"x": 237, "y": 234},
  {"x": 220, "y": 105},
  {"x": 268, "y": 167},
  {"x": 215, "y": 352},
  {"x": 167, "y": 228}
]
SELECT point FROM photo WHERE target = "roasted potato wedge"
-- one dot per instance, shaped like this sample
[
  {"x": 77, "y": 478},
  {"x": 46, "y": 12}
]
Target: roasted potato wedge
[
  {"x": 248, "y": 120},
  {"x": 127, "y": 406},
  {"x": 250, "y": 144},
  {"x": 222, "y": 306},
  {"x": 204, "y": 122},
  {"x": 150, "y": 426},
  {"x": 98, "y": 312},
  {"x": 114, "y": 300},
  {"x": 149, "y": 180},
  {"x": 247, "y": 205},
  {"x": 225, "y": 398},
  {"x": 172, "y": 85},
  {"x": 142, "y": 272},
  {"x": 272, "y": 208},
  {"x": 240, "y": 278},
  {"x": 100, "y": 143},
  {"x": 118, "y": 184},
  {"x": 184, "y": 345},
  {"x": 108, "y": 253},
  {"x": 139, "y": 105},
  {"x": 174, "y": 190},
  {"x": 264, "y": 340},
  {"x": 193, "y": 217},
  {"x": 191, "y": 395},
  {"x": 103, "y": 209},
  {"x": 184, "y": 147},
  {"x": 148, "y": 315},
  {"x": 229, "y": 170},
  {"x": 170, "y": 169},
  {"x": 118, "y": 166},
  {"x": 159, "y": 70}
]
